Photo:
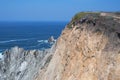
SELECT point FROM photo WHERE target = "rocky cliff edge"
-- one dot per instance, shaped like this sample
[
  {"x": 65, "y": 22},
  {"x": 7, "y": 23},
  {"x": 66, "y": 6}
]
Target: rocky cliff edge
[{"x": 88, "y": 49}]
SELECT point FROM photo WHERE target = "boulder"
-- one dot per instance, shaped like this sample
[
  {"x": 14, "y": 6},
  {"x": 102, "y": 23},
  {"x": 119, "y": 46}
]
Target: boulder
[{"x": 51, "y": 39}]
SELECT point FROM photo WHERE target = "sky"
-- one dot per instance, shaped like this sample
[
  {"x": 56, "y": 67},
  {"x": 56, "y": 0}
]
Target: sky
[{"x": 51, "y": 10}]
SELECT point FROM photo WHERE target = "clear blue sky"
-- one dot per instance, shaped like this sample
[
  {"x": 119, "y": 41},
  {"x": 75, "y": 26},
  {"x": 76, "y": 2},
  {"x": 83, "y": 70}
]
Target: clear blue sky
[{"x": 51, "y": 10}]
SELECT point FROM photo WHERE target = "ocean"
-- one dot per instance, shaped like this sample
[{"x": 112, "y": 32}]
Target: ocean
[{"x": 28, "y": 35}]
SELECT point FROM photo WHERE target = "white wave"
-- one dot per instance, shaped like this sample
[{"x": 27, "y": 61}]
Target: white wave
[
  {"x": 42, "y": 41},
  {"x": 14, "y": 40},
  {"x": 45, "y": 41},
  {"x": 1, "y": 56},
  {"x": 7, "y": 41}
]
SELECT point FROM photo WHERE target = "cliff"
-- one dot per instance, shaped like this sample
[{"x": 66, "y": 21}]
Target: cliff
[{"x": 88, "y": 49}]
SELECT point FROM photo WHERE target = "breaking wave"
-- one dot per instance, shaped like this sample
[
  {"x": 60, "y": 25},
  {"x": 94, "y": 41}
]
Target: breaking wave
[
  {"x": 8, "y": 41},
  {"x": 42, "y": 41},
  {"x": 1, "y": 56}
]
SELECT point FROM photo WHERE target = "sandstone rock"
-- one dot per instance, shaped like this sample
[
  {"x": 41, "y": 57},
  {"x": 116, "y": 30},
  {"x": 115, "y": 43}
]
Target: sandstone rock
[{"x": 86, "y": 52}]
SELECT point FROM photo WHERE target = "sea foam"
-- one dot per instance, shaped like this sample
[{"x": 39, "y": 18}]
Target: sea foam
[
  {"x": 1, "y": 56},
  {"x": 42, "y": 41},
  {"x": 14, "y": 40}
]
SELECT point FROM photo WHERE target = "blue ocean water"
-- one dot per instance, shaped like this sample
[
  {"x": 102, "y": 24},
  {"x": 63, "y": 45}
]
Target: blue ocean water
[{"x": 28, "y": 35}]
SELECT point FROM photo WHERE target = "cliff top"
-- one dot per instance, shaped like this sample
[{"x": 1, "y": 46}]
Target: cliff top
[
  {"x": 95, "y": 14},
  {"x": 97, "y": 18}
]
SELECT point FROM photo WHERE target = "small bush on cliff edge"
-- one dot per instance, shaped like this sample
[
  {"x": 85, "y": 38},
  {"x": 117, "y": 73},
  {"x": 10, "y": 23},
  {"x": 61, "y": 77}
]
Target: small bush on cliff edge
[{"x": 80, "y": 15}]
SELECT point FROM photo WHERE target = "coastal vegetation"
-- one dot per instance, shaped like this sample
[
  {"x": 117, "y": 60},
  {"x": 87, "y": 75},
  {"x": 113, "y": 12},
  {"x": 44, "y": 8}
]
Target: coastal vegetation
[{"x": 77, "y": 18}]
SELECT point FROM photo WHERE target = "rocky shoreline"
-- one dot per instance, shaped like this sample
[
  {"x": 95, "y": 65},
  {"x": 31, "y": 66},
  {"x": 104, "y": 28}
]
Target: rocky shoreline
[
  {"x": 88, "y": 49},
  {"x": 20, "y": 64}
]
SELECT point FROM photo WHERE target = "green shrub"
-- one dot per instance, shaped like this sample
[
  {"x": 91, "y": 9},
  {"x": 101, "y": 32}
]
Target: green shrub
[
  {"x": 83, "y": 14},
  {"x": 80, "y": 15}
]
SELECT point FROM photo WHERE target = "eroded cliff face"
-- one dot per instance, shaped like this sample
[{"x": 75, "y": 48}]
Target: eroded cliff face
[{"x": 88, "y": 49}]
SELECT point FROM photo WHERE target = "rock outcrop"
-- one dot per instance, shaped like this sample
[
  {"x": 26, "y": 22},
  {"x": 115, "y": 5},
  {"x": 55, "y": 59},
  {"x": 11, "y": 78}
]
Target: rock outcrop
[
  {"x": 88, "y": 49},
  {"x": 51, "y": 40},
  {"x": 85, "y": 51},
  {"x": 20, "y": 64}
]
